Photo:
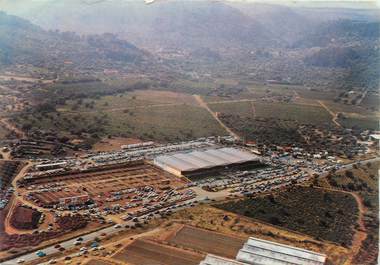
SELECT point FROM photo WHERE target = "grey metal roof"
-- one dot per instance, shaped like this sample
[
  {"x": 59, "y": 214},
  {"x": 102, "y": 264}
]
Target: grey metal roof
[
  {"x": 262, "y": 252},
  {"x": 236, "y": 152},
  {"x": 200, "y": 163},
  {"x": 174, "y": 162},
  {"x": 205, "y": 159},
  {"x": 216, "y": 260},
  {"x": 224, "y": 156}
]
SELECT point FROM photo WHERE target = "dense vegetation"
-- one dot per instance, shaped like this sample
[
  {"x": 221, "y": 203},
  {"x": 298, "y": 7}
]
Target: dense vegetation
[
  {"x": 325, "y": 215},
  {"x": 362, "y": 179}
]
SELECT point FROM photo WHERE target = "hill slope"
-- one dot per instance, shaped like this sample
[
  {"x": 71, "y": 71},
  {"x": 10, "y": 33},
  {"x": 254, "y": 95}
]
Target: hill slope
[{"x": 23, "y": 42}]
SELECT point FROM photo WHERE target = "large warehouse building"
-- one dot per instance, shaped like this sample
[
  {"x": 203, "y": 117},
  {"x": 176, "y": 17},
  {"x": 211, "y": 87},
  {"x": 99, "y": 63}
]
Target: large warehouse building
[
  {"x": 200, "y": 162},
  {"x": 262, "y": 252}
]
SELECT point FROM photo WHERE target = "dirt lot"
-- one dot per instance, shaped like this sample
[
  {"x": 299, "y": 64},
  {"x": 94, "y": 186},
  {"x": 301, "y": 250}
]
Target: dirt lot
[
  {"x": 208, "y": 241},
  {"x": 113, "y": 144},
  {"x": 98, "y": 262},
  {"x": 144, "y": 252}
]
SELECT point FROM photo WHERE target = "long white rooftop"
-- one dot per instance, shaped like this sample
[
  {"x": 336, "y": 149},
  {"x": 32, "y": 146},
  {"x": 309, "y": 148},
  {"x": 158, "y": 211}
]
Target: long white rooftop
[
  {"x": 205, "y": 159},
  {"x": 262, "y": 252}
]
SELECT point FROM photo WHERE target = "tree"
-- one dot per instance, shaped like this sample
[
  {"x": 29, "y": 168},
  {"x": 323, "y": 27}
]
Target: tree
[
  {"x": 274, "y": 220},
  {"x": 349, "y": 174},
  {"x": 367, "y": 203}
]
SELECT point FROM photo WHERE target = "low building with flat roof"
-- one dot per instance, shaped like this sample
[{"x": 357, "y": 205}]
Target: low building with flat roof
[
  {"x": 196, "y": 162},
  {"x": 262, "y": 252}
]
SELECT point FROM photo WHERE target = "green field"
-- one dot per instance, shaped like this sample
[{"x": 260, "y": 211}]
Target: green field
[
  {"x": 364, "y": 123},
  {"x": 371, "y": 101},
  {"x": 325, "y": 215},
  {"x": 160, "y": 123},
  {"x": 164, "y": 123},
  {"x": 284, "y": 111}
]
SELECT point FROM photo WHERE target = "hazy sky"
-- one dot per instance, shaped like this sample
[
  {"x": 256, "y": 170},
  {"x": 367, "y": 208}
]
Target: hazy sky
[{"x": 24, "y": 4}]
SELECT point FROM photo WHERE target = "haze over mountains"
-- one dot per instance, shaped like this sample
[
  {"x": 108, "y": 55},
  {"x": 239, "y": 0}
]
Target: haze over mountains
[
  {"x": 266, "y": 37},
  {"x": 184, "y": 24}
]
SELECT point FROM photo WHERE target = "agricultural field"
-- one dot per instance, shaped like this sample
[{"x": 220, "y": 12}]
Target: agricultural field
[
  {"x": 243, "y": 108},
  {"x": 144, "y": 252},
  {"x": 207, "y": 241},
  {"x": 326, "y": 215},
  {"x": 265, "y": 131},
  {"x": 313, "y": 94},
  {"x": 161, "y": 116},
  {"x": 363, "y": 122},
  {"x": 164, "y": 123},
  {"x": 308, "y": 114},
  {"x": 371, "y": 101},
  {"x": 355, "y": 116},
  {"x": 128, "y": 100}
]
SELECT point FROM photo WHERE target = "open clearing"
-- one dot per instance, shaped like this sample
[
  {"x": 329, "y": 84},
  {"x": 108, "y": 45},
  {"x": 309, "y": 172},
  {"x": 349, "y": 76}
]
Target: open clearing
[
  {"x": 208, "y": 241},
  {"x": 112, "y": 144},
  {"x": 144, "y": 252}
]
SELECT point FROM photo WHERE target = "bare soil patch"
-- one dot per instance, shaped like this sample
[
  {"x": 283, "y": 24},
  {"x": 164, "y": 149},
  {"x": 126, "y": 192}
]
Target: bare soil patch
[
  {"x": 144, "y": 252},
  {"x": 208, "y": 241}
]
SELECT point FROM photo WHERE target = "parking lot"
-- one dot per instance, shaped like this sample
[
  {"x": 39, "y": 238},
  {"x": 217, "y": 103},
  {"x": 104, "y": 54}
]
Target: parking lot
[{"x": 112, "y": 188}]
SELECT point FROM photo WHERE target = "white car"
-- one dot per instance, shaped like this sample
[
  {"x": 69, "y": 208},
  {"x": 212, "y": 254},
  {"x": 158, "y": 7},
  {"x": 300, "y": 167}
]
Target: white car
[{"x": 20, "y": 261}]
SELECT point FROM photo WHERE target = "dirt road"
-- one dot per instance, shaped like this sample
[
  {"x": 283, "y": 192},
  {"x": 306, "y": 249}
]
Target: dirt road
[
  {"x": 203, "y": 104},
  {"x": 334, "y": 115}
]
